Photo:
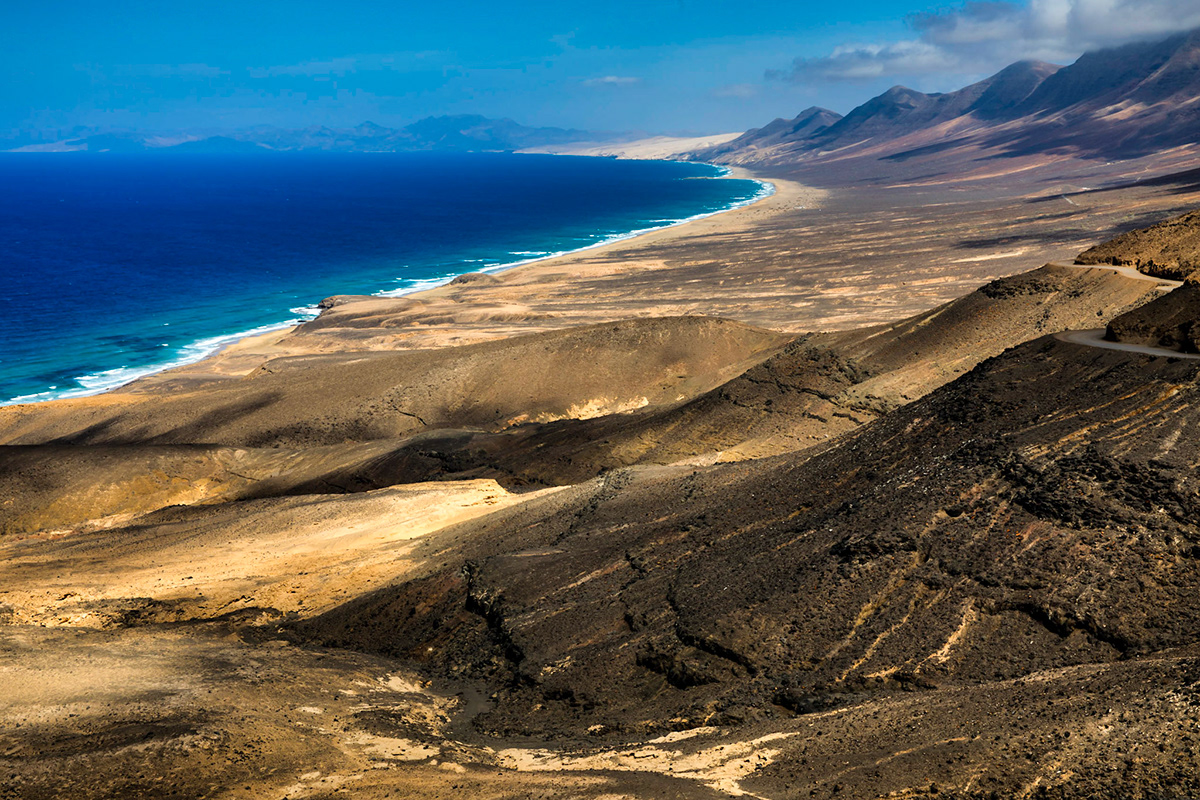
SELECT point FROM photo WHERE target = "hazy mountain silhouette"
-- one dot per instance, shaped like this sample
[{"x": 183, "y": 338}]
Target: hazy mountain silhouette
[{"x": 461, "y": 133}]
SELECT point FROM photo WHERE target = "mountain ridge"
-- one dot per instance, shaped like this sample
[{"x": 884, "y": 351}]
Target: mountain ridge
[{"x": 1123, "y": 102}]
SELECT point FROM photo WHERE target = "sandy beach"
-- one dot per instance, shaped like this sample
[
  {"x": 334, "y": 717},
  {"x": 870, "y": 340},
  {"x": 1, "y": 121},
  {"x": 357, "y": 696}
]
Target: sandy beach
[
  {"x": 497, "y": 304},
  {"x": 803, "y": 259}
]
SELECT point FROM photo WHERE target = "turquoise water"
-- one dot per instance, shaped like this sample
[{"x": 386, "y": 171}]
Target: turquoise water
[{"x": 115, "y": 266}]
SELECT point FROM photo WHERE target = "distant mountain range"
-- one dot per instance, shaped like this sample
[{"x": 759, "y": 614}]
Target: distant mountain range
[
  {"x": 1118, "y": 103},
  {"x": 462, "y": 133}
]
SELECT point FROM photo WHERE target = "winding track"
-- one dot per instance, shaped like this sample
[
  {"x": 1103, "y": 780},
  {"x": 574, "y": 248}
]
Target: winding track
[
  {"x": 1128, "y": 272},
  {"x": 1094, "y": 337}
]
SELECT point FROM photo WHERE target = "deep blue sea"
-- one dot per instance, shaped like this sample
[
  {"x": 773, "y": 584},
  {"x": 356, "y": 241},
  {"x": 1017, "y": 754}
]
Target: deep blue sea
[{"x": 114, "y": 266}]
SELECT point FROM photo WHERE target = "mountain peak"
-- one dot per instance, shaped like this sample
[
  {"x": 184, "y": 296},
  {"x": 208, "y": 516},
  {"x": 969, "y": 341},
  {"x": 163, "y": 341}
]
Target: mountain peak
[
  {"x": 1010, "y": 87},
  {"x": 816, "y": 111},
  {"x": 809, "y": 122},
  {"x": 1144, "y": 72},
  {"x": 369, "y": 128},
  {"x": 901, "y": 93}
]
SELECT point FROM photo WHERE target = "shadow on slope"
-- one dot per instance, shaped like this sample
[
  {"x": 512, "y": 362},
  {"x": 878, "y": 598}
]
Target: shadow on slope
[
  {"x": 1012, "y": 521},
  {"x": 306, "y": 401},
  {"x": 814, "y": 390},
  {"x": 802, "y": 396}
]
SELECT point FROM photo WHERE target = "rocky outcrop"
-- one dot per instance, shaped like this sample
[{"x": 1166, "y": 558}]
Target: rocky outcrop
[
  {"x": 1169, "y": 249},
  {"x": 1172, "y": 321},
  {"x": 961, "y": 557},
  {"x": 983, "y": 533}
]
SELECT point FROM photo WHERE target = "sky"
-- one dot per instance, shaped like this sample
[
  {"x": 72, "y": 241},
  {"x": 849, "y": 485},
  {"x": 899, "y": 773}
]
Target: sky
[{"x": 659, "y": 66}]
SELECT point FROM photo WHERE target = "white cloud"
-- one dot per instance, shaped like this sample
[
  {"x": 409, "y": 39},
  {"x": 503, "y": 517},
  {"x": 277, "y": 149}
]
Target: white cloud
[
  {"x": 984, "y": 36},
  {"x": 612, "y": 80}
]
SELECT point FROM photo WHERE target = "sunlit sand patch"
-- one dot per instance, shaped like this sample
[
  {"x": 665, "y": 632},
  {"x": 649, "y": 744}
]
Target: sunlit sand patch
[
  {"x": 720, "y": 766},
  {"x": 393, "y": 749},
  {"x": 296, "y": 554},
  {"x": 596, "y": 407}
]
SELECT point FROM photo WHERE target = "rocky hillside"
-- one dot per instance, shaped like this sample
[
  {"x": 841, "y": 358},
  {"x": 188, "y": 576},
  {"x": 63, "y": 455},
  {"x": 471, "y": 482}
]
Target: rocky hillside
[
  {"x": 806, "y": 124},
  {"x": 974, "y": 536},
  {"x": 1171, "y": 322},
  {"x": 986, "y": 536},
  {"x": 522, "y": 411},
  {"x": 1169, "y": 249}
]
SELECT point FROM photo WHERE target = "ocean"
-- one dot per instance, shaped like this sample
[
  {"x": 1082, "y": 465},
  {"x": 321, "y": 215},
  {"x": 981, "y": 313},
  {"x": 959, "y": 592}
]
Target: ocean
[{"x": 116, "y": 266}]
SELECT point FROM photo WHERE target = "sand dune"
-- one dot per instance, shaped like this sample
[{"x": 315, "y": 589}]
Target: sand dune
[{"x": 661, "y": 147}]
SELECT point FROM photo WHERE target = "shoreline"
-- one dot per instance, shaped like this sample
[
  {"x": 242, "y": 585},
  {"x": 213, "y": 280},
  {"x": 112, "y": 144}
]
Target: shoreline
[
  {"x": 767, "y": 191},
  {"x": 610, "y": 259},
  {"x": 214, "y": 347}
]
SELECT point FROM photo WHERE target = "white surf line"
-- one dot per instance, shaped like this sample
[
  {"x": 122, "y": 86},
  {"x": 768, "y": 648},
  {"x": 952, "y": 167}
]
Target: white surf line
[
  {"x": 109, "y": 380},
  {"x": 1094, "y": 337},
  {"x": 766, "y": 189}
]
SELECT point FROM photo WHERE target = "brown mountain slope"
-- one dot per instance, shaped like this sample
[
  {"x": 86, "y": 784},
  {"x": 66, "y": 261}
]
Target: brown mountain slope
[
  {"x": 803, "y": 126},
  {"x": 1173, "y": 322},
  {"x": 981, "y": 590},
  {"x": 799, "y": 397},
  {"x": 987, "y": 592},
  {"x": 1127, "y": 102},
  {"x": 73, "y": 488},
  {"x": 896, "y": 113},
  {"x": 815, "y": 389},
  {"x": 980, "y": 534}
]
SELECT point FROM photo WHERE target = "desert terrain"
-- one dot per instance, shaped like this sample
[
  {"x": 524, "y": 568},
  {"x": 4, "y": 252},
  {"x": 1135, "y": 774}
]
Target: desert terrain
[{"x": 861, "y": 491}]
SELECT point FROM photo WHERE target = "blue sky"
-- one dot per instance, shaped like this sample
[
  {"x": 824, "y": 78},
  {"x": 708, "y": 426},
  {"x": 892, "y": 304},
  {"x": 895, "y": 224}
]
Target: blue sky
[{"x": 669, "y": 66}]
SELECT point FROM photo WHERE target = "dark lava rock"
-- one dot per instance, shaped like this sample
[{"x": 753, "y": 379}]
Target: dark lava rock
[
  {"x": 480, "y": 278},
  {"x": 1037, "y": 513},
  {"x": 1172, "y": 321}
]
